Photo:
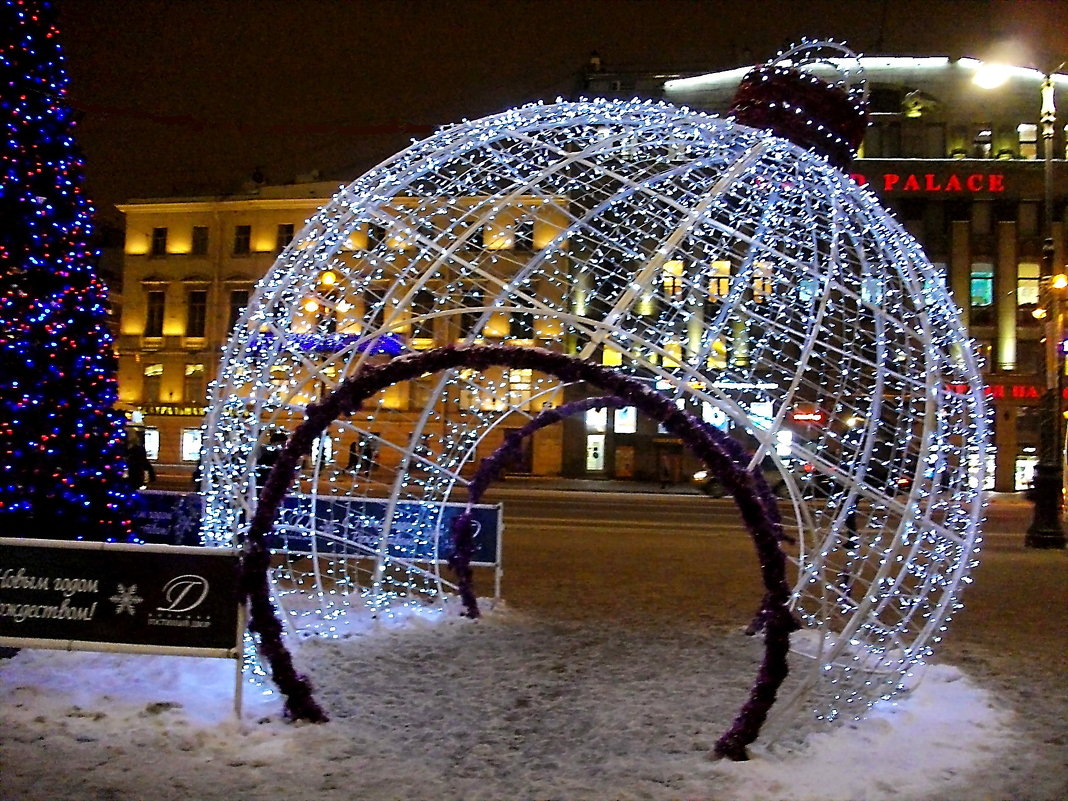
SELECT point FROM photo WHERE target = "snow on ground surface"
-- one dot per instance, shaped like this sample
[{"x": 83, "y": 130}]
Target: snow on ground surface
[{"x": 507, "y": 707}]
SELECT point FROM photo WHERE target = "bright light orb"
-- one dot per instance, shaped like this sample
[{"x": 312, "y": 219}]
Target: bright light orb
[{"x": 741, "y": 275}]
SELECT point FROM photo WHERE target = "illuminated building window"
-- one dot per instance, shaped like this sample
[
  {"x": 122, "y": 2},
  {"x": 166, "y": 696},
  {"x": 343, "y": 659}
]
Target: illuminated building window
[
  {"x": 196, "y": 312},
  {"x": 153, "y": 378},
  {"x": 674, "y": 354},
  {"x": 159, "y": 242},
  {"x": 154, "y": 303},
  {"x": 238, "y": 302},
  {"x": 762, "y": 285},
  {"x": 151, "y": 441},
  {"x": 720, "y": 283},
  {"x": 190, "y": 444},
  {"x": 983, "y": 143},
  {"x": 596, "y": 421},
  {"x": 1028, "y": 136},
  {"x": 1027, "y": 277},
  {"x": 242, "y": 240},
  {"x": 200, "y": 241},
  {"x": 523, "y": 237},
  {"x": 625, "y": 420},
  {"x": 671, "y": 278},
  {"x": 717, "y": 355},
  {"x": 519, "y": 386},
  {"x": 610, "y": 357},
  {"x": 283, "y": 237},
  {"x": 195, "y": 388}
]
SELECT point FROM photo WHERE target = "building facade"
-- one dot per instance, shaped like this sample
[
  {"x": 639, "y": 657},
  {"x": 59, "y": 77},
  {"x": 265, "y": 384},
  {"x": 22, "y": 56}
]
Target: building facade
[{"x": 961, "y": 167}]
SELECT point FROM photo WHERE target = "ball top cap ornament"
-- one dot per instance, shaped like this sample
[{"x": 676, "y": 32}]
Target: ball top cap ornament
[{"x": 785, "y": 98}]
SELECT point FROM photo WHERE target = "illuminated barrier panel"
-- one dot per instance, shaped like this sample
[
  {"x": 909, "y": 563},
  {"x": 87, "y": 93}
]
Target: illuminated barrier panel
[
  {"x": 419, "y": 532},
  {"x": 99, "y": 596},
  {"x": 343, "y": 525}
]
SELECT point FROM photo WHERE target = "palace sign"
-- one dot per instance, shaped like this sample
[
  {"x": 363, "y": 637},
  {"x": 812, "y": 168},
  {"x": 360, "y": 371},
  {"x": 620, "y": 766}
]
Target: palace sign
[{"x": 971, "y": 183}]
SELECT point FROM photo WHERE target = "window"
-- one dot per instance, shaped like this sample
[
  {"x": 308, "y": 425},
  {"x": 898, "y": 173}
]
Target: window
[
  {"x": 519, "y": 386},
  {"x": 153, "y": 379},
  {"x": 191, "y": 441},
  {"x": 1027, "y": 278},
  {"x": 196, "y": 312},
  {"x": 625, "y": 420},
  {"x": 195, "y": 390},
  {"x": 983, "y": 294},
  {"x": 159, "y": 242},
  {"x": 983, "y": 143},
  {"x": 934, "y": 140},
  {"x": 524, "y": 234},
  {"x": 1027, "y": 219},
  {"x": 242, "y": 239},
  {"x": 1028, "y": 136},
  {"x": 154, "y": 302},
  {"x": 521, "y": 326},
  {"x": 238, "y": 302},
  {"x": 200, "y": 240},
  {"x": 284, "y": 237},
  {"x": 151, "y": 440},
  {"x": 720, "y": 283},
  {"x": 671, "y": 278},
  {"x": 596, "y": 421},
  {"x": 423, "y": 303},
  {"x": 762, "y": 285}
]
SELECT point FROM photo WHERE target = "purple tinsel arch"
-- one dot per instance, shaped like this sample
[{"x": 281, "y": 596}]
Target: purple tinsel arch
[
  {"x": 725, "y": 457},
  {"x": 461, "y": 530}
]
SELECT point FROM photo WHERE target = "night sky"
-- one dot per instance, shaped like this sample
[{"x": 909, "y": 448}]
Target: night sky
[{"x": 189, "y": 97}]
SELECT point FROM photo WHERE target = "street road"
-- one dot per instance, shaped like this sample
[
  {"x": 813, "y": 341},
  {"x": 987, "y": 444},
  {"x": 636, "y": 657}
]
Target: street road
[{"x": 686, "y": 559}]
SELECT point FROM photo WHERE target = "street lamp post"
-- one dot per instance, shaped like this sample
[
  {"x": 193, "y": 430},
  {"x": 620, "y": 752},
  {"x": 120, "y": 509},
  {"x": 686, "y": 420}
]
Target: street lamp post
[{"x": 1047, "y": 494}]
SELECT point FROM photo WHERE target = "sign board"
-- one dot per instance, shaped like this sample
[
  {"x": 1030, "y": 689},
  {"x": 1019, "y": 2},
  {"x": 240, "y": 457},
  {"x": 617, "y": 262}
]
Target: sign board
[
  {"x": 93, "y": 596},
  {"x": 419, "y": 532}
]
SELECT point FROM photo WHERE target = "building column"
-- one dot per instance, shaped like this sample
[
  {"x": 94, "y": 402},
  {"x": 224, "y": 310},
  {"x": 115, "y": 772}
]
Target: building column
[{"x": 1005, "y": 276}]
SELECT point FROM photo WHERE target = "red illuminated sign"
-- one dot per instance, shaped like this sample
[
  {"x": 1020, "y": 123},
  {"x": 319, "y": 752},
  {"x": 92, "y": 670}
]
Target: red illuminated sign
[
  {"x": 932, "y": 182},
  {"x": 1010, "y": 391}
]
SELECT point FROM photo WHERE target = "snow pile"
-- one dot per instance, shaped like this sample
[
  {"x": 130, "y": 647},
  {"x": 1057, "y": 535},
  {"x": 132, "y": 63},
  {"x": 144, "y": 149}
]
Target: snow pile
[{"x": 505, "y": 707}]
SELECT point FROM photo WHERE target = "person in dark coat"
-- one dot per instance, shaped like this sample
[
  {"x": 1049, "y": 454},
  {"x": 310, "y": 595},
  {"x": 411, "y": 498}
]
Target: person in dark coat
[
  {"x": 139, "y": 470},
  {"x": 268, "y": 457}
]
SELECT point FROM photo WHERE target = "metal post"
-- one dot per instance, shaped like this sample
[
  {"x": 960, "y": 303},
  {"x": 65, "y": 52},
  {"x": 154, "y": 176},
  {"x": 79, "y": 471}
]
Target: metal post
[{"x": 1047, "y": 494}]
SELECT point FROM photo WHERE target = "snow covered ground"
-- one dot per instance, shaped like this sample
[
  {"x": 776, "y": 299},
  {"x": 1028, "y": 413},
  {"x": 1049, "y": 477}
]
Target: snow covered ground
[
  {"x": 507, "y": 707},
  {"x": 528, "y": 704}
]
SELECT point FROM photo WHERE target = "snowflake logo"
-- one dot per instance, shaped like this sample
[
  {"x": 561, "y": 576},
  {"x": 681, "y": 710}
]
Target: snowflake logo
[{"x": 125, "y": 599}]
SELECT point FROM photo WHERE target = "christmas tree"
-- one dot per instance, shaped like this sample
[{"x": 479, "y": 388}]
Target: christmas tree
[{"x": 61, "y": 443}]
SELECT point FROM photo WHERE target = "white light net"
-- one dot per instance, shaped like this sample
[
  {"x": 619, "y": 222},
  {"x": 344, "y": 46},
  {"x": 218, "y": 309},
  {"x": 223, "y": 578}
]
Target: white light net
[{"x": 742, "y": 275}]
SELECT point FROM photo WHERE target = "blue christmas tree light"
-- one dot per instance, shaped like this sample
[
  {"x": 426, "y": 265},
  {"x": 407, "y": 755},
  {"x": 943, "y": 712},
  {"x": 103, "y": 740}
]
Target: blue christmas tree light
[{"x": 61, "y": 444}]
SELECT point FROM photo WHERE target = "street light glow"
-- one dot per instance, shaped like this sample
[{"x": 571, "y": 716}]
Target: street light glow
[{"x": 991, "y": 76}]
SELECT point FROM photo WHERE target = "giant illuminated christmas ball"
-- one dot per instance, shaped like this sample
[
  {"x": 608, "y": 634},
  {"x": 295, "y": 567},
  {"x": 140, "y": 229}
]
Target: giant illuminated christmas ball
[{"x": 738, "y": 272}]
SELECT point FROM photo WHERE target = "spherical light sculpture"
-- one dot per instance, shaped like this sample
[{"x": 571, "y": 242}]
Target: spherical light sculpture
[{"x": 740, "y": 274}]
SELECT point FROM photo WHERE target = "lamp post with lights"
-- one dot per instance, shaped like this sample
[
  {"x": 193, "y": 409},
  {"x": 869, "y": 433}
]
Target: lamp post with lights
[
  {"x": 1047, "y": 493},
  {"x": 1047, "y": 525}
]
